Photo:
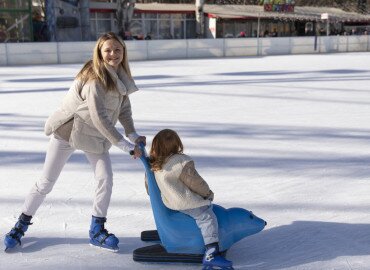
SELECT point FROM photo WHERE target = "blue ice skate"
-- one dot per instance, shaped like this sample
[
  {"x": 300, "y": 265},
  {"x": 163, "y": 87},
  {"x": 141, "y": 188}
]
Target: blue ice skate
[
  {"x": 214, "y": 260},
  {"x": 13, "y": 238},
  {"x": 100, "y": 237}
]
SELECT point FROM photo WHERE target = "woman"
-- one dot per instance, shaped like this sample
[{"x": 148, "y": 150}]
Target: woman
[{"x": 97, "y": 99}]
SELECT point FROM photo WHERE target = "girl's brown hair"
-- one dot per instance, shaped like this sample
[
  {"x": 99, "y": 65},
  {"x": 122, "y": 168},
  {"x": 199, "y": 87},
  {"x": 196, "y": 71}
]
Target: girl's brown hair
[
  {"x": 165, "y": 144},
  {"x": 95, "y": 69}
]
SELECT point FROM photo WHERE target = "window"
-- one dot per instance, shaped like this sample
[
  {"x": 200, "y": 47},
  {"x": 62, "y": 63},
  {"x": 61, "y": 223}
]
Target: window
[
  {"x": 190, "y": 29},
  {"x": 164, "y": 29},
  {"x": 151, "y": 29},
  {"x": 14, "y": 27},
  {"x": 100, "y": 23},
  {"x": 15, "y": 21},
  {"x": 11, "y": 4},
  {"x": 163, "y": 25},
  {"x": 178, "y": 29},
  {"x": 229, "y": 29}
]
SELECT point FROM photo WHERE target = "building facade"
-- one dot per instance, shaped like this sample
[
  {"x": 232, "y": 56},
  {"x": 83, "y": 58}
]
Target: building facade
[{"x": 86, "y": 20}]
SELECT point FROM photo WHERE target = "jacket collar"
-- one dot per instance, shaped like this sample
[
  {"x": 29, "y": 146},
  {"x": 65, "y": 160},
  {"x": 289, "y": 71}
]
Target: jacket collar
[{"x": 125, "y": 85}]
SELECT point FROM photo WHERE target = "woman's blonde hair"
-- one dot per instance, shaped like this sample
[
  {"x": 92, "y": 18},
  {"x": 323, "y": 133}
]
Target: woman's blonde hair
[
  {"x": 165, "y": 144},
  {"x": 95, "y": 69}
]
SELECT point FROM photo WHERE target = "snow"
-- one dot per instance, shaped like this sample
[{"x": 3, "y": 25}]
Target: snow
[{"x": 284, "y": 136}]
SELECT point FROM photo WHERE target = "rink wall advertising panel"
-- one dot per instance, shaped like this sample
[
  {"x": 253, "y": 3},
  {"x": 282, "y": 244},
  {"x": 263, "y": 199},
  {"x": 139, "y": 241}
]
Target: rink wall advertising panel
[{"x": 31, "y": 53}]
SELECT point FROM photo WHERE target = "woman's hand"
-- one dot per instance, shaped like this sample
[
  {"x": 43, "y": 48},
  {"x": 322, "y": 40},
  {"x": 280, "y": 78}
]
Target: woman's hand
[
  {"x": 137, "y": 152},
  {"x": 141, "y": 139}
]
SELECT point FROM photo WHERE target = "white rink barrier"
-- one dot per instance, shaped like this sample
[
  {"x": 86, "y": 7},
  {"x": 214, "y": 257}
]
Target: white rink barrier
[{"x": 78, "y": 52}]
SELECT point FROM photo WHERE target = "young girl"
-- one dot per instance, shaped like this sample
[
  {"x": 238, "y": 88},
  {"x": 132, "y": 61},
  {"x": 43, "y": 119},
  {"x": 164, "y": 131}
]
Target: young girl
[
  {"x": 183, "y": 189},
  {"x": 97, "y": 99}
]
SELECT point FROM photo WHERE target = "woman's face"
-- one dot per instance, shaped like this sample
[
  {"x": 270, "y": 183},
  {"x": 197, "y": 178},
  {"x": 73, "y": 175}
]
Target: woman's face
[{"x": 112, "y": 53}]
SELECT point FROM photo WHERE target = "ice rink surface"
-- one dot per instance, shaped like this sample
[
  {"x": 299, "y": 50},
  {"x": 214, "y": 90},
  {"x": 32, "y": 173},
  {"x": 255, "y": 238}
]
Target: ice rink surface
[{"x": 287, "y": 137}]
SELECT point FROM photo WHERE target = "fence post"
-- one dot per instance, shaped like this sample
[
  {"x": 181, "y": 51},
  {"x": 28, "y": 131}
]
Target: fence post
[
  {"x": 147, "y": 49},
  {"x": 187, "y": 48},
  {"x": 58, "y": 54},
  {"x": 338, "y": 43},
  {"x": 6, "y": 54}
]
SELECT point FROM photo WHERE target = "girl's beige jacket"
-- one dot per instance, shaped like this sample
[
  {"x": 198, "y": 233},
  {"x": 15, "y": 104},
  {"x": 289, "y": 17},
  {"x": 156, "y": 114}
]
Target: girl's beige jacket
[{"x": 180, "y": 184}]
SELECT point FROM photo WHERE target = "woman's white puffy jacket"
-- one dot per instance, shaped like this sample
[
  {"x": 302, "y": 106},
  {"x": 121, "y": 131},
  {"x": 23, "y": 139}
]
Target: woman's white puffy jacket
[{"x": 89, "y": 113}]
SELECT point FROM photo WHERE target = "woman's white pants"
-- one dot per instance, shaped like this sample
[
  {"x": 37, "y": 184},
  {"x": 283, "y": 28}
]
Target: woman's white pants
[{"x": 57, "y": 155}]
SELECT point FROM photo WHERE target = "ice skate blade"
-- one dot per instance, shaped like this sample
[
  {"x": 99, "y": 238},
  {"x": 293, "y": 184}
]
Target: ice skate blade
[
  {"x": 104, "y": 248},
  {"x": 12, "y": 249},
  {"x": 209, "y": 267}
]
